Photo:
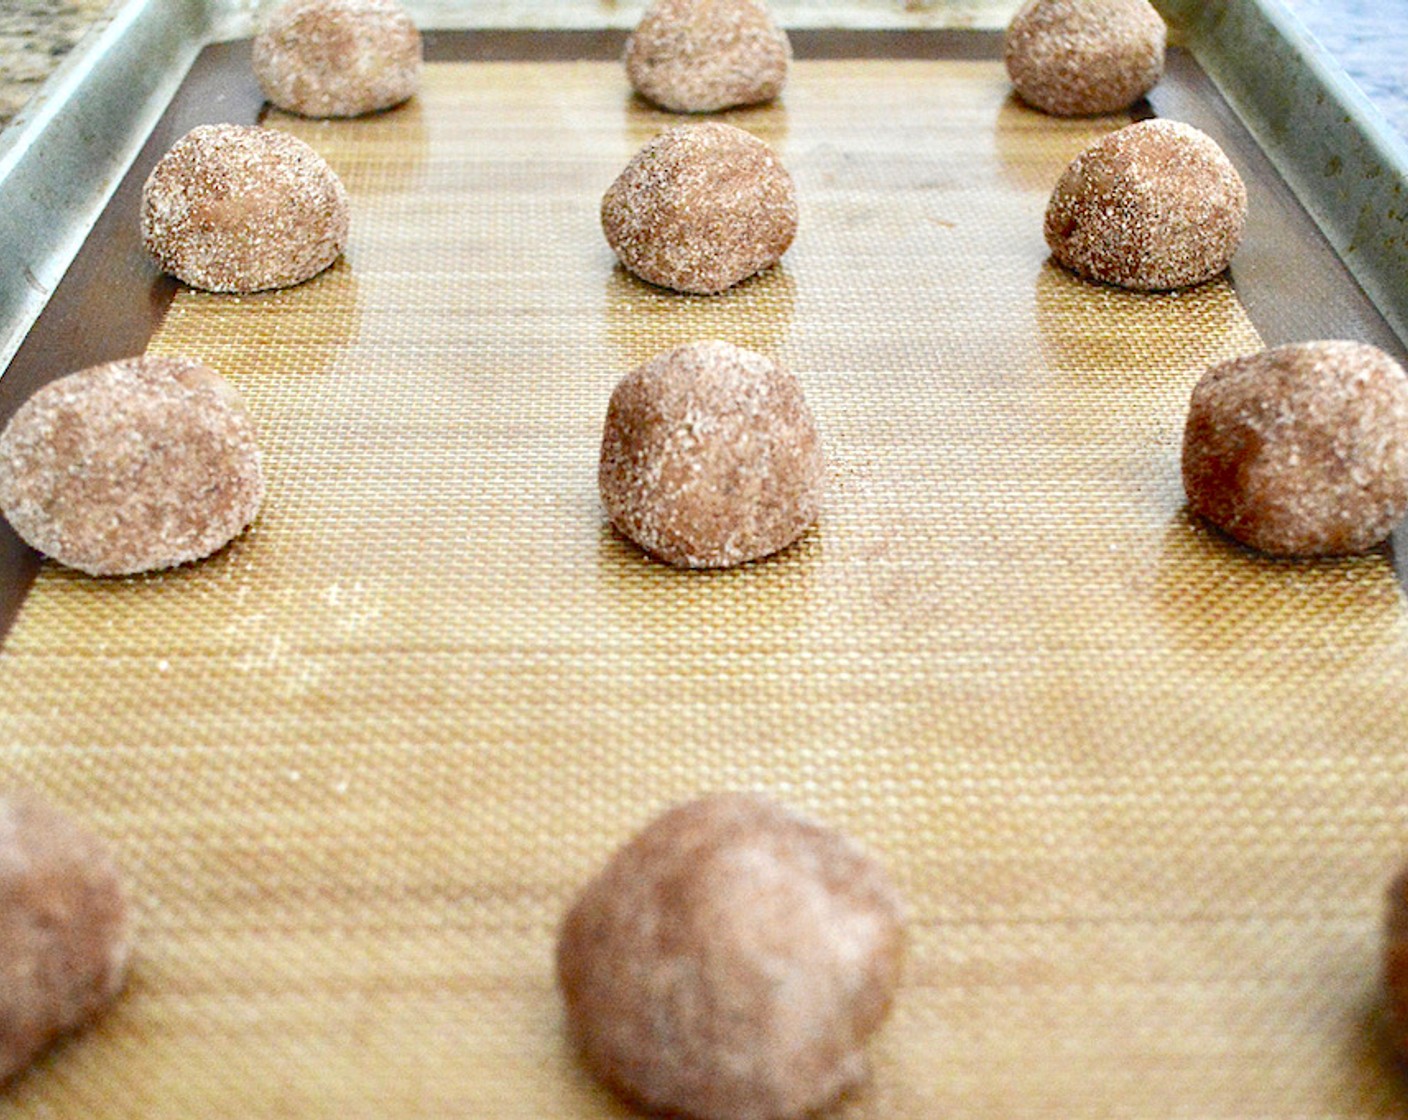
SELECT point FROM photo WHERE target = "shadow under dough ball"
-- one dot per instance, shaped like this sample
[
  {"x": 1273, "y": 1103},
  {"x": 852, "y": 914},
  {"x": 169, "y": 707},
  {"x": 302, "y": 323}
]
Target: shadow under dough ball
[
  {"x": 710, "y": 457},
  {"x": 338, "y": 58},
  {"x": 701, "y": 208},
  {"x": 234, "y": 208},
  {"x": 730, "y": 962},
  {"x": 132, "y": 466},
  {"x": 701, "y": 56},
  {"x": 64, "y": 936},
  {"x": 1153, "y": 206},
  {"x": 1395, "y": 963},
  {"x": 1077, "y": 58},
  {"x": 1301, "y": 450}
]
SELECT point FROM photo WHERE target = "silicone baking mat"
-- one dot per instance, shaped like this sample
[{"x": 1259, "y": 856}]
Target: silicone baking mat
[{"x": 1141, "y": 788}]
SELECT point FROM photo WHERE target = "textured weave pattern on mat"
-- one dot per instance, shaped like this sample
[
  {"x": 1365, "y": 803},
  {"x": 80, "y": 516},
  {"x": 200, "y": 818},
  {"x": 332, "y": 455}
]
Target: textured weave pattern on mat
[{"x": 1141, "y": 788}]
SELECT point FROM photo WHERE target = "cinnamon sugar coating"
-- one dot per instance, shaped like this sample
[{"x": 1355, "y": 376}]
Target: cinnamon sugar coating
[
  {"x": 132, "y": 466},
  {"x": 1154, "y": 206},
  {"x": 338, "y": 58},
  {"x": 700, "y": 208},
  {"x": 710, "y": 457},
  {"x": 730, "y": 962},
  {"x": 1077, "y": 58},
  {"x": 700, "y": 56},
  {"x": 1301, "y": 450},
  {"x": 64, "y": 936},
  {"x": 232, "y": 208}
]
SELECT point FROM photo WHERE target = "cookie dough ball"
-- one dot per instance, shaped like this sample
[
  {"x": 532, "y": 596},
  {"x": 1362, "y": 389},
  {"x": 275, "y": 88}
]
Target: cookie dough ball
[
  {"x": 338, "y": 58},
  {"x": 700, "y": 208},
  {"x": 700, "y": 56},
  {"x": 232, "y": 208},
  {"x": 730, "y": 962},
  {"x": 710, "y": 457},
  {"x": 132, "y": 466},
  {"x": 1301, "y": 450},
  {"x": 1076, "y": 58},
  {"x": 1153, "y": 206},
  {"x": 64, "y": 939}
]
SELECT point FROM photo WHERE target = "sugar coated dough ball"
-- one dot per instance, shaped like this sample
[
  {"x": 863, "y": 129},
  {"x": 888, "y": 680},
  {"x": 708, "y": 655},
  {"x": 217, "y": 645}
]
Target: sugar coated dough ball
[
  {"x": 338, "y": 58},
  {"x": 1076, "y": 58},
  {"x": 700, "y": 208},
  {"x": 710, "y": 457},
  {"x": 232, "y": 208},
  {"x": 730, "y": 962},
  {"x": 700, "y": 56},
  {"x": 1301, "y": 450},
  {"x": 64, "y": 938},
  {"x": 1156, "y": 205},
  {"x": 132, "y": 466}
]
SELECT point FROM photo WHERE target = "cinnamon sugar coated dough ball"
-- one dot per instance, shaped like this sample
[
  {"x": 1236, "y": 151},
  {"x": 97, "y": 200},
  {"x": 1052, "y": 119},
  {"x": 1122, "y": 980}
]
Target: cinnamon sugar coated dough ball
[
  {"x": 730, "y": 962},
  {"x": 700, "y": 208},
  {"x": 1301, "y": 450},
  {"x": 1076, "y": 58},
  {"x": 1156, "y": 205},
  {"x": 231, "y": 208},
  {"x": 710, "y": 457},
  {"x": 700, "y": 56},
  {"x": 64, "y": 936},
  {"x": 132, "y": 466},
  {"x": 338, "y": 58}
]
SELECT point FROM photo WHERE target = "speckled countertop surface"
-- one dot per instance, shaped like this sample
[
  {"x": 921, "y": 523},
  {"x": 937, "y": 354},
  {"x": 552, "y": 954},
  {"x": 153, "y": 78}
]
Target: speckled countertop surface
[
  {"x": 34, "y": 36},
  {"x": 1368, "y": 37}
]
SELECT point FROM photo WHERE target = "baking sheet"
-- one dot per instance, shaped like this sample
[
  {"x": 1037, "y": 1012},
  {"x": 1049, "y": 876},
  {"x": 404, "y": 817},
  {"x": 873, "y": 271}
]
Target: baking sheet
[{"x": 1141, "y": 788}]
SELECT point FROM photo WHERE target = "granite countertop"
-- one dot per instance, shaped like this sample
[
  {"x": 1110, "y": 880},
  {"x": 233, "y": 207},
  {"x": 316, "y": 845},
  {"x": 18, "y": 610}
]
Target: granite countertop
[
  {"x": 34, "y": 36},
  {"x": 1369, "y": 38}
]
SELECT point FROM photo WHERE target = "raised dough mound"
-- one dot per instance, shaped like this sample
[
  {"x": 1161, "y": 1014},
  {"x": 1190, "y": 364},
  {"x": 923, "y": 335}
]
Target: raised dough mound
[
  {"x": 700, "y": 56},
  {"x": 1156, "y": 205},
  {"x": 1301, "y": 450},
  {"x": 132, "y": 466},
  {"x": 64, "y": 936},
  {"x": 1076, "y": 58},
  {"x": 730, "y": 962},
  {"x": 701, "y": 208},
  {"x": 233, "y": 208},
  {"x": 338, "y": 58},
  {"x": 710, "y": 457}
]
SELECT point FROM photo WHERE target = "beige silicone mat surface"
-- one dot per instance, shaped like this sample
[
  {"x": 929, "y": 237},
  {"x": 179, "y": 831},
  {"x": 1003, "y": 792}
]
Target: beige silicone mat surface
[{"x": 1141, "y": 788}]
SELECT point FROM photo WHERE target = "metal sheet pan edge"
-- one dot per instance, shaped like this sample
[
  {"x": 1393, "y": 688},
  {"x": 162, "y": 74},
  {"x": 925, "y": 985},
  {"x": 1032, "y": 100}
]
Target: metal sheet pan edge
[
  {"x": 68, "y": 149},
  {"x": 1340, "y": 156}
]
